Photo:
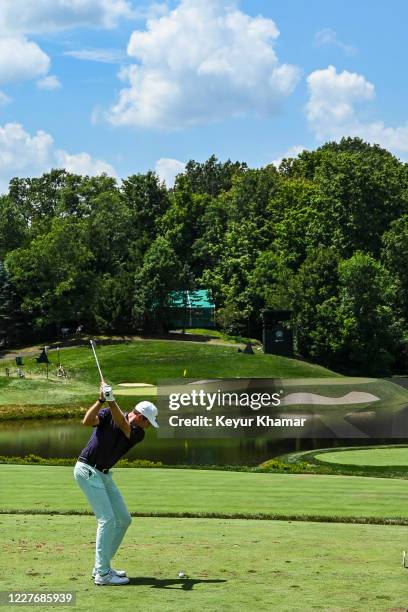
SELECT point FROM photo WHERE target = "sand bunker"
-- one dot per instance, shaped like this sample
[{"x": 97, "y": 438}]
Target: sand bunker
[
  {"x": 354, "y": 397},
  {"x": 135, "y": 385}
]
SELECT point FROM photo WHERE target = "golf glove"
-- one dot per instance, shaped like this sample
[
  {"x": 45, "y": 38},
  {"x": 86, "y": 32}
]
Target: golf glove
[{"x": 108, "y": 393}]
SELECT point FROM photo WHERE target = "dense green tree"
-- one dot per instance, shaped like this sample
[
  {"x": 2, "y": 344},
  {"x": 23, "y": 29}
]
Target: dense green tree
[
  {"x": 269, "y": 283},
  {"x": 395, "y": 258},
  {"x": 212, "y": 176},
  {"x": 313, "y": 295},
  {"x": 112, "y": 302},
  {"x": 147, "y": 199},
  {"x": 247, "y": 229},
  {"x": 112, "y": 234},
  {"x": 296, "y": 220},
  {"x": 182, "y": 224},
  {"x": 209, "y": 244},
  {"x": 53, "y": 275},
  {"x": 162, "y": 272},
  {"x": 358, "y": 197},
  {"x": 12, "y": 323},
  {"x": 344, "y": 312},
  {"x": 361, "y": 189},
  {"x": 13, "y": 227},
  {"x": 370, "y": 328},
  {"x": 37, "y": 198}
]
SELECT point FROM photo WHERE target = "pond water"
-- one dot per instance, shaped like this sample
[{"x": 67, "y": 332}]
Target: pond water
[{"x": 66, "y": 438}]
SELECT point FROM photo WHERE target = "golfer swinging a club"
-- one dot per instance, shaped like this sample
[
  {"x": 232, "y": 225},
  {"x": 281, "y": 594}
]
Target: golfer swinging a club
[{"x": 115, "y": 433}]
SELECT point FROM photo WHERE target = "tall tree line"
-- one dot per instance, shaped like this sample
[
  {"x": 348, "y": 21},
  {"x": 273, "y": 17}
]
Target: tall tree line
[{"x": 325, "y": 234}]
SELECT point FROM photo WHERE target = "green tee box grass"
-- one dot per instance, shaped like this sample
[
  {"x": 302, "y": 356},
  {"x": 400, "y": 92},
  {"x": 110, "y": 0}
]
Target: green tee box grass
[
  {"x": 230, "y": 564},
  {"x": 369, "y": 456},
  {"x": 157, "y": 490}
]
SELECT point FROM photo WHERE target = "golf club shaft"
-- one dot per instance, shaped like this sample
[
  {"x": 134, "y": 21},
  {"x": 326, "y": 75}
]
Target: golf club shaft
[{"x": 96, "y": 359}]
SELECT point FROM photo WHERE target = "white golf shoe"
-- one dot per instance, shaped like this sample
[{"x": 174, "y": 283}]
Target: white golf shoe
[
  {"x": 120, "y": 573},
  {"x": 111, "y": 579}
]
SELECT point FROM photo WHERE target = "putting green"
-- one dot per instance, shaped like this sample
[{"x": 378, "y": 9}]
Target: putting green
[{"x": 392, "y": 456}]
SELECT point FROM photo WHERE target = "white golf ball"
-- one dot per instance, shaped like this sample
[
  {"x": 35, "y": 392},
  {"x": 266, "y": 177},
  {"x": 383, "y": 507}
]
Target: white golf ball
[{"x": 181, "y": 575}]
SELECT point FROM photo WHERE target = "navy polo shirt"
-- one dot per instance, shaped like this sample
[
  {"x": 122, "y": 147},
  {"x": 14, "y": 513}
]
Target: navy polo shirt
[{"x": 108, "y": 443}]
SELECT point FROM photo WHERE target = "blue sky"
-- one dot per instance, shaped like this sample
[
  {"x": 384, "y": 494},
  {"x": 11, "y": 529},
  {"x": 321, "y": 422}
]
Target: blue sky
[{"x": 124, "y": 86}]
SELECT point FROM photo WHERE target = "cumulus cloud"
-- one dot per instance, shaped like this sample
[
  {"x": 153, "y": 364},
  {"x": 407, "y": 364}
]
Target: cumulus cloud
[
  {"x": 167, "y": 169},
  {"x": 4, "y": 99},
  {"x": 333, "y": 105},
  {"x": 150, "y": 11},
  {"x": 332, "y": 99},
  {"x": 291, "y": 152},
  {"x": 49, "y": 82},
  {"x": 83, "y": 163},
  {"x": 327, "y": 36},
  {"x": 106, "y": 56},
  {"x": 21, "y": 59},
  {"x": 24, "y": 154},
  {"x": 202, "y": 62},
  {"x": 40, "y": 16}
]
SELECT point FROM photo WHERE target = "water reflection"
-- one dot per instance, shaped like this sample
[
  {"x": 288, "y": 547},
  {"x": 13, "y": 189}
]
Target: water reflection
[{"x": 65, "y": 438}]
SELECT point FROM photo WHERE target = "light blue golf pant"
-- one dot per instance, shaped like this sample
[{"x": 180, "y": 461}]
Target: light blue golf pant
[{"x": 110, "y": 510}]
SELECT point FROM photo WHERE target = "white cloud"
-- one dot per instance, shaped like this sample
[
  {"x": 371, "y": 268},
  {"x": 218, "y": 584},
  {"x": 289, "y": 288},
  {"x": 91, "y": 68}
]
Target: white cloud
[
  {"x": 332, "y": 110},
  {"x": 39, "y": 16},
  {"x": 202, "y": 62},
  {"x": 291, "y": 152},
  {"x": 327, "y": 36},
  {"x": 4, "y": 99},
  {"x": 167, "y": 169},
  {"x": 106, "y": 56},
  {"x": 151, "y": 11},
  {"x": 49, "y": 82},
  {"x": 83, "y": 163},
  {"x": 23, "y": 154},
  {"x": 21, "y": 59}
]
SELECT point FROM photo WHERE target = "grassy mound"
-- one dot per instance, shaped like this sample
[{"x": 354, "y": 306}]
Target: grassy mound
[{"x": 140, "y": 361}]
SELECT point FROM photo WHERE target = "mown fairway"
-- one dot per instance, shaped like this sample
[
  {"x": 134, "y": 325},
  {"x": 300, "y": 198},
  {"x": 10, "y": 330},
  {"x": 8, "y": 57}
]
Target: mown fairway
[{"x": 149, "y": 491}]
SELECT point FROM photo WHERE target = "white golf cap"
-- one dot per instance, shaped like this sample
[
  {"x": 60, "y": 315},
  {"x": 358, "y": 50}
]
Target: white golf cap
[{"x": 148, "y": 410}]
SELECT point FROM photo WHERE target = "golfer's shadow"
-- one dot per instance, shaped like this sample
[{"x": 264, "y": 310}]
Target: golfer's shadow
[{"x": 186, "y": 584}]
